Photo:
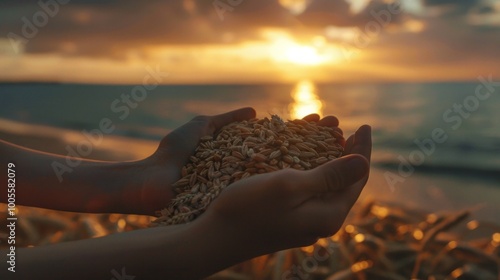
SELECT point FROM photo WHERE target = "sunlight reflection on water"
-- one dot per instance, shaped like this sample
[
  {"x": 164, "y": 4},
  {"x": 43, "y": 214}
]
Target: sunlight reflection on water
[{"x": 305, "y": 100}]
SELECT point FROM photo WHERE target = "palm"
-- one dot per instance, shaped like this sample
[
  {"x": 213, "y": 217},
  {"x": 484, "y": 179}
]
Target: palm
[
  {"x": 163, "y": 168},
  {"x": 293, "y": 208}
]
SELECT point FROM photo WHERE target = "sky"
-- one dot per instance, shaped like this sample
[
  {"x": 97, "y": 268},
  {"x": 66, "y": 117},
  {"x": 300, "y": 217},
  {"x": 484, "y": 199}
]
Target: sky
[{"x": 248, "y": 41}]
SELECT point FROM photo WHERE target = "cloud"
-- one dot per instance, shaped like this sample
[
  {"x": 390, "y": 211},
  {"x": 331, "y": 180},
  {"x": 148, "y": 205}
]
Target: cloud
[
  {"x": 451, "y": 8},
  {"x": 111, "y": 28},
  {"x": 449, "y": 2},
  {"x": 465, "y": 30}
]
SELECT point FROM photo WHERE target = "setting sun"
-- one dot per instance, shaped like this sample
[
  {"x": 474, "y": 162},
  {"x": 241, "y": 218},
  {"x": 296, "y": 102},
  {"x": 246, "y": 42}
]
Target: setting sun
[
  {"x": 303, "y": 55},
  {"x": 285, "y": 49}
]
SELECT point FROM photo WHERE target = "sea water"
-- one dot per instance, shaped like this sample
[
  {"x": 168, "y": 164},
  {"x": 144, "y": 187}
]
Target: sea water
[{"x": 462, "y": 169}]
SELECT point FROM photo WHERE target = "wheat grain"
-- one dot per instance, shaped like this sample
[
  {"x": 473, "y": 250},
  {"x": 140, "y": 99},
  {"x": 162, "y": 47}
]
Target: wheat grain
[{"x": 243, "y": 149}]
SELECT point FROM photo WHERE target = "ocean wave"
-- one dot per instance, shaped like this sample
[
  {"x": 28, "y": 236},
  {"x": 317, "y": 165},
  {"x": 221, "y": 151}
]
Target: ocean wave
[{"x": 491, "y": 173}]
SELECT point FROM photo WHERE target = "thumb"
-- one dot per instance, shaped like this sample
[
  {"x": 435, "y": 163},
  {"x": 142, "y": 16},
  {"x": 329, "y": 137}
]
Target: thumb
[
  {"x": 179, "y": 144},
  {"x": 338, "y": 174},
  {"x": 338, "y": 184}
]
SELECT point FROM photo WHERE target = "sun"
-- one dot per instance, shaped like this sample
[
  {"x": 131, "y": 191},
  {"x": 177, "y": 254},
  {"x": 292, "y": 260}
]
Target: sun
[
  {"x": 286, "y": 49},
  {"x": 303, "y": 55}
]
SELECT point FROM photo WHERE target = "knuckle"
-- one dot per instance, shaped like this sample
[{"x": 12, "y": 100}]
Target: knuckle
[
  {"x": 201, "y": 119},
  {"x": 205, "y": 123}
]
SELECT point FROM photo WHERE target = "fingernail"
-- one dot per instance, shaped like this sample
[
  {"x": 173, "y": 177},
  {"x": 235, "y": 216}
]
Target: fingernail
[{"x": 356, "y": 169}]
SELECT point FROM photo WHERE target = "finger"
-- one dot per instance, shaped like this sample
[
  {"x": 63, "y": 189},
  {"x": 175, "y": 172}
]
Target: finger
[
  {"x": 218, "y": 121},
  {"x": 311, "y": 118},
  {"x": 330, "y": 177},
  {"x": 190, "y": 133},
  {"x": 339, "y": 135},
  {"x": 324, "y": 212},
  {"x": 339, "y": 130},
  {"x": 362, "y": 145},
  {"x": 329, "y": 121},
  {"x": 345, "y": 199},
  {"x": 333, "y": 122},
  {"x": 334, "y": 176},
  {"x": 179, "y": 144},
  {"x": 362, "y": 142},
  {"x": 348, "y": 145}
]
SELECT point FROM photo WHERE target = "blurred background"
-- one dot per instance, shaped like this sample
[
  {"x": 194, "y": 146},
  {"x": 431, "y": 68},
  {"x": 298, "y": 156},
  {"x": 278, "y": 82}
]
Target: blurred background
[{"x": 409, "y": 68}]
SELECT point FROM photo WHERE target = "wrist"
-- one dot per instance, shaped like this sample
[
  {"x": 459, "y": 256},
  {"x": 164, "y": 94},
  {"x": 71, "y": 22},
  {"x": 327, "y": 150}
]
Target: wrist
[
  {"x": 117, "y": 186},
  {"x": 221, "y": 238},
  {"x": 111, "y": 187},
  {"x": 155, "y": 185}
]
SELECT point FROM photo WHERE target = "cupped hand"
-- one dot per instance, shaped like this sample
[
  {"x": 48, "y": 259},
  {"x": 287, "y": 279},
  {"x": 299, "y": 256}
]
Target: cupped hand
[
  {"x": 163, "y": 168},
  {"x": 291, "y": 208}
]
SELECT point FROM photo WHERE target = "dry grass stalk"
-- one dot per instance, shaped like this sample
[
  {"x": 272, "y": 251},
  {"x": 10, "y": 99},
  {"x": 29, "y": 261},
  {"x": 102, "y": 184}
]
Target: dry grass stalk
[
  {"x": 242, "y": 149},
  {"x": 384, "y": 241}
]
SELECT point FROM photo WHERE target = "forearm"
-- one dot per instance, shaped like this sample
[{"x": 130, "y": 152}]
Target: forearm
[
  {"x": 70, "y": 184},
  {"x": 189, "y": 251}
]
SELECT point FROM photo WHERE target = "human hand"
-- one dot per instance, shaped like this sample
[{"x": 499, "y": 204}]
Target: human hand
[
  {"x": 291, "y": 208},
  {"x": 163, "y": 168}
]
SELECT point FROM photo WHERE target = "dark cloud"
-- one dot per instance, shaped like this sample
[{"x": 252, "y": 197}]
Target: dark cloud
[
  {"x": 449, "y": 2},
  {"x": 452, "y": 8},
  {"x": 110, "y": 28},
  {"x": 322, "y": 13},
  {"x": 486, "y": 10},
  {"x": 451, "y": 42}
]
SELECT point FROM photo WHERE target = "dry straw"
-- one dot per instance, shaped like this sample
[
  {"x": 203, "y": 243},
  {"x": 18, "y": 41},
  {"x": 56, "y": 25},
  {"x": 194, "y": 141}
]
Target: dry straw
[{"x": 242, "y": 149}]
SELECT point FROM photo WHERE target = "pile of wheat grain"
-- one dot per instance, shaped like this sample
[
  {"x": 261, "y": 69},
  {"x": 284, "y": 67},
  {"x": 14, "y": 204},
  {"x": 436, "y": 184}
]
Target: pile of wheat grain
[{"x": 242, "y": 149}]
